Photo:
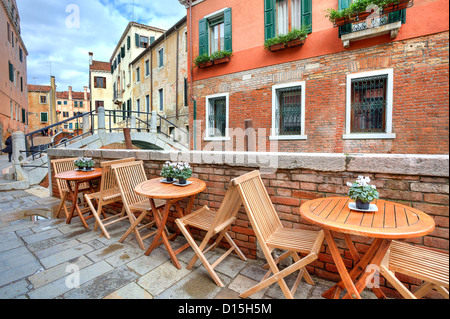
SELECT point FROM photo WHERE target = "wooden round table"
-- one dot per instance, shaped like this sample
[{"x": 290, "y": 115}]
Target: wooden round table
[
  {"x": 172, "y": 194},
  {"x": 78, "y": 177},
  {"x": 391, "y": 221}
]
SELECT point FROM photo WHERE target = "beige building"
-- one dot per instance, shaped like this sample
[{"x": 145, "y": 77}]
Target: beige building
[
  {"x": 135, "y": 39},
  {"x": 100, "y": 84},
  {"x": 160, "y": 81},
  {"x": 13, "y": 73}
]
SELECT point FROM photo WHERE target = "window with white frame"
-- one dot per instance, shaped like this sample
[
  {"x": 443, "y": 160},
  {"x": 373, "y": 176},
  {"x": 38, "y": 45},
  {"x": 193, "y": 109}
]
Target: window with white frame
[
  {"x": 217, "y": 110},
  {"x": 369, "y": 105},
  {"x": 288, "y": 111}
]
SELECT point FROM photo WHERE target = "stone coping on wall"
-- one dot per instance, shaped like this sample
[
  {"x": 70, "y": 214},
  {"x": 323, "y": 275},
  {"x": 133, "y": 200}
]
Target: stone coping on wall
[{"x": 397, "y": 164}]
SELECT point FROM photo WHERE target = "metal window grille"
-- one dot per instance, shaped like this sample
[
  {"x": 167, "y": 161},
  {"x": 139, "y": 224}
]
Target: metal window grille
[
  {"x": 368, "y": 104},
  {"x": 217, "y": 117},
  {"x": 288, "y": 113}
]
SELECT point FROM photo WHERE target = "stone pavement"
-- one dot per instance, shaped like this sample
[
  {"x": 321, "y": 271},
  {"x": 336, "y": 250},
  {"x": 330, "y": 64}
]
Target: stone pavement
[{"x": 46, "y": 258}]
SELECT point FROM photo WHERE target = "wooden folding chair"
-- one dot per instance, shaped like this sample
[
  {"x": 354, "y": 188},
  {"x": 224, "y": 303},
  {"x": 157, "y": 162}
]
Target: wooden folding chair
[
  {"x": 271, "y": 234},
  {"x": 60, "y": 166},
  {"x": 214, "y": 224},
  {"x": 109, "y": 193},
  {"x": 128, "y": 176},
  {"x": 418, "y": 262}
]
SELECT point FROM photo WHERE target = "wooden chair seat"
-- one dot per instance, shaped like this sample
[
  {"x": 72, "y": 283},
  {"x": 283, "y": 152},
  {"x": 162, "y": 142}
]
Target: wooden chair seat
[
  {"x": 215, "y": 224},
  {"x": 292, "y": 239},
  {"x": 65, "y": 165},
  {"x": 128, "y": 176},
  {"x": 271, "y": 234},
  {"x": 109, "y": 193},
  {"x": 421, "y": 263}
]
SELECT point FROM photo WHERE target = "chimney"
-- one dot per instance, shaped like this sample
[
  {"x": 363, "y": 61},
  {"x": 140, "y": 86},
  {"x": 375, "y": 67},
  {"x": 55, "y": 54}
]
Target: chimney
[
  {"x": 70, "y": 93},
  {"x": 91, "y": 57},
  {"x": 52, "y": 100},
  {"x": 85, "y": 93}
]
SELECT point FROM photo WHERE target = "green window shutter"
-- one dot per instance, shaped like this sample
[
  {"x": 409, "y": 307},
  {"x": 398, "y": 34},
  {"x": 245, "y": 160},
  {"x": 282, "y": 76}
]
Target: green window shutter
[
  {"x": 344, "y": 4},
  {"x": 269, "y": 19},
  {"x": 11, "y": 72},
  {"x": 122, "y": 51},
  {"x": 203, "y": 36},
  {"x": 24, "y": 117},
  {"x": 398, "y": 16},
  {"x": 128, "y": 43},
  {"x": 228, "y": 30},
  {"x": 152, "y": 39},
  {"x": 307, "y": 14},
  {"x": 137, "y": 40}
]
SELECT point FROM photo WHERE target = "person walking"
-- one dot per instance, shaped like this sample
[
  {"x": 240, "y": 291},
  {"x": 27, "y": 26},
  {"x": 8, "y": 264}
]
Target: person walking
[{"x": 8, "y": 148}]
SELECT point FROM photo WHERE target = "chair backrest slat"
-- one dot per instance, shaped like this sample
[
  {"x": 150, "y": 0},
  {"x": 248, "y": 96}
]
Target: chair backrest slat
[
  {"x": 109, "y": 182},
  {"x": 128, "y": 176},
  {"x": 258, "y": 205},
  {"x": 60, "y": 166},
  {"x": 229, "y": 207}
]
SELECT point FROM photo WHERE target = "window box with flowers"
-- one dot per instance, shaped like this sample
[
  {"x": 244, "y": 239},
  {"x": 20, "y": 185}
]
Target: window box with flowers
[
  {"x": 358, "y": 10},
  {"x": 205, "y": 60},
  {"x": 294, "y": 38}
]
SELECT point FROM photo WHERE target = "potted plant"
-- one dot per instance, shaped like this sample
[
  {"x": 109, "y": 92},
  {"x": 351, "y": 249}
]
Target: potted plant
[
  {"x": 294, "y": 38},
  {"x": 84, "y": 163},
  {"x": 219, "y": 57},
  {"x": 362, "y": 193},
  {"x": 183, "y": 172},
  {"x": 168, "y": 171},
  {"x": 358, "y": 10},
  {"x": 203, "y": 61}
]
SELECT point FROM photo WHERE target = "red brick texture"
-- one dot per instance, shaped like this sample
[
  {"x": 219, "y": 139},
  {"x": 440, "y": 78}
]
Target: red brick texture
[
  {"x": 288, "y": 188},
  {"x": 420, "y": 97}
]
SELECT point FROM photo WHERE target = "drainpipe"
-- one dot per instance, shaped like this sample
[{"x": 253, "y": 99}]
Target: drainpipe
[
  {"x": 177, "y": 66},
  {"x": 194, "y": 129}
]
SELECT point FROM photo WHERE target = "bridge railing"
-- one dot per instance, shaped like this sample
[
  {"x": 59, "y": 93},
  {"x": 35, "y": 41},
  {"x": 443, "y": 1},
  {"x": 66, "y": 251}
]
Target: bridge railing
[{"x": 65, "y": 132}]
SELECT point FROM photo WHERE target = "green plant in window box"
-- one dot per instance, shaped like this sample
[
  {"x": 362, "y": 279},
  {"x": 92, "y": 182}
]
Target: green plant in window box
[
  {"x": 294, "y": 37},
  {"x": 360, "y": 8},
  {"x": 217, "y": 57}
]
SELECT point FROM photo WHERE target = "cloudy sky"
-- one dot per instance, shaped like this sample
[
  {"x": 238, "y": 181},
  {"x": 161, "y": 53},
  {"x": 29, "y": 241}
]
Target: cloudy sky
[{"x": 59, "y": 34}]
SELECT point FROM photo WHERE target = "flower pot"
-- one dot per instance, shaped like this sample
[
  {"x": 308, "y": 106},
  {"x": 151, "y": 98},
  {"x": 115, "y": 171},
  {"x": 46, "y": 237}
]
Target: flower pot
[
  {"x": 181, "y": 181},
  {"x": 295, "y": 43},
  {"x": 205, "y": 64},
  {"x": 362, "y": 205},
  {"x": 276, "y": 47},
  {"x": 222, "y": 60},
  {"x": 169, "y": 179}
]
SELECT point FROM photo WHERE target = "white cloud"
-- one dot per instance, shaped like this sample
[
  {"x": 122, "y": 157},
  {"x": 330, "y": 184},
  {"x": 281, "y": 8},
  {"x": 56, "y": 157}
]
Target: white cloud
[{"x": 48, "y": 37}]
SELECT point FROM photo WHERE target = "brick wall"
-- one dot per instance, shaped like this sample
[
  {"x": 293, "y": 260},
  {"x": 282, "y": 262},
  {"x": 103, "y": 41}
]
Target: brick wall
[
  {"x": 418, "y": 181},
  {"x": 420, "y": 97}
]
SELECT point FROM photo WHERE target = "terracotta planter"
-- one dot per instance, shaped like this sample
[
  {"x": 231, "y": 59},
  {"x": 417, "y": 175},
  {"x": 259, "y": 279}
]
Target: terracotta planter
[
  {"x": 361, "y": 16},
  {"x": 205, "y": 64},
  {"x": 295, "y": 43},
  {"x": 222, "y": 60},
  {"x": 290, "y": 44},
  {"x": 276, "y": 47}
]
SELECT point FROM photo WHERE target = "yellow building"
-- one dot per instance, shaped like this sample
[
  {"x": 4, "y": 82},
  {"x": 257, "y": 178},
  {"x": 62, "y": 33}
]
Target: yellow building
[
  {"x": 70, "y": 104},
  {"x": 135, "y": 39},
  {"x": 13, "y": 73},
  {"x": 160, "y": 81}
]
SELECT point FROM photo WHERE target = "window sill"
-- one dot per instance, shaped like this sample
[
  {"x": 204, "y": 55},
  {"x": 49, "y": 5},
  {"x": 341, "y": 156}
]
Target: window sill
[
  {"x": 391, "y": 28},
  {"x": 226, "y": 138},
  {"x": 368, "y": 136},
  {"x": 288, "y": 137}
]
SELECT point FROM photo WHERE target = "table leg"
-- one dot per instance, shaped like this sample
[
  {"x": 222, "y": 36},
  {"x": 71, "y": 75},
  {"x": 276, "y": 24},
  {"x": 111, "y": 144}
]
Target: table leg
[
  {"x": 345, "y": 276},
  {"x": 161, "y": 223},
  {"x": 74, "y": 195}
]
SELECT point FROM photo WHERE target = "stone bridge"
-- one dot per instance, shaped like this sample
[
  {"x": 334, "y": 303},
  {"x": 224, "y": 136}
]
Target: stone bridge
[{"x": 28, "y": 171}]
